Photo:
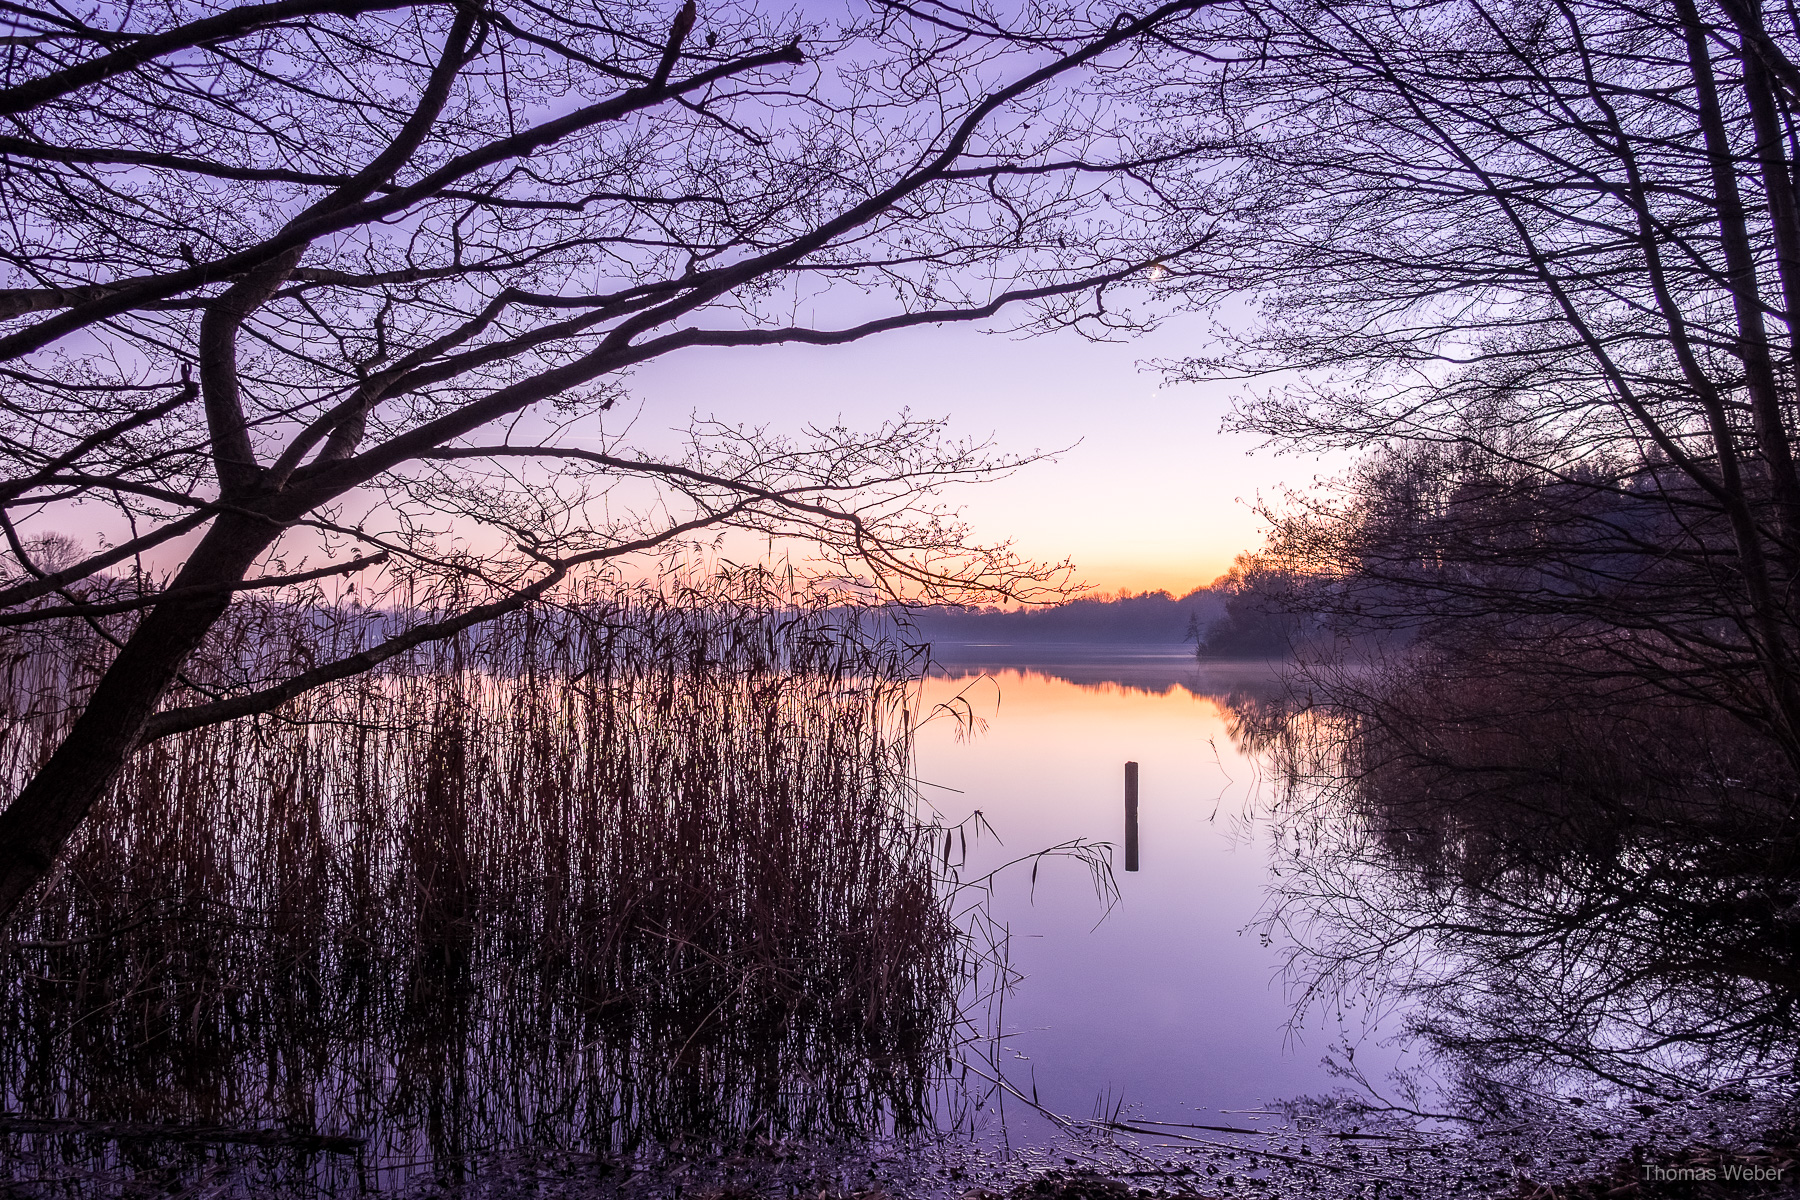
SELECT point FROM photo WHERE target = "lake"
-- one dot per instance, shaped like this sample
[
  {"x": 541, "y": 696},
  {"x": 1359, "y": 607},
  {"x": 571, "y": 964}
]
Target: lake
[
  {"x": 1170, "y": 1008},
  {"x": 1167, "y": 1002},
  {"x": 642, "y": 902}
]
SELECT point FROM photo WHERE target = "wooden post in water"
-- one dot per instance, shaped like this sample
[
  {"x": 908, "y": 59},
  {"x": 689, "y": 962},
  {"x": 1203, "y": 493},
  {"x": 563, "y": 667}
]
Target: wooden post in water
[{"x": 1131, "y": 832}]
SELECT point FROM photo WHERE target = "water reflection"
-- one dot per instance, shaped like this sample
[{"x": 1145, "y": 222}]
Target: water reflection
[
  {"x": 1581, "y": 918},
  {"x": 1564, "y": 894},
  {"x": 1157, "y": 670},
  {"x": 1163, "y": 1003},
  {"x": 1516, "y": 895}
]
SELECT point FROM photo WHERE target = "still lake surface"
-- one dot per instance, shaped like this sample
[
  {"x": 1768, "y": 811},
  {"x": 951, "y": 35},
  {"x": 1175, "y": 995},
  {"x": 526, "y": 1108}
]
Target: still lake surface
[
  {"x": 476, "y": 926},
  {"x": 1170, "y": 1002}
]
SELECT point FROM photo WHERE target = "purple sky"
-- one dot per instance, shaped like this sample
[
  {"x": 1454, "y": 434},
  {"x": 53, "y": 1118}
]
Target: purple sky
[{"x": 1153, "y": 497}]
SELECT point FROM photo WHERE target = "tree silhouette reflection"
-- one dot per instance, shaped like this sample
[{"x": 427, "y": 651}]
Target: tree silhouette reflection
[{"x": 1553, "y": 888}]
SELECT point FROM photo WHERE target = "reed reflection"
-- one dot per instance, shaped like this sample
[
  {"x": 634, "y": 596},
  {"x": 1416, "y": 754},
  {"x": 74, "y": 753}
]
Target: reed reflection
[{"x": 623, "y": 875}]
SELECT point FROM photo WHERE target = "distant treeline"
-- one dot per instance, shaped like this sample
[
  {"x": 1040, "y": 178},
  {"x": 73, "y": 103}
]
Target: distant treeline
[{"x": 1224, "y": 619}]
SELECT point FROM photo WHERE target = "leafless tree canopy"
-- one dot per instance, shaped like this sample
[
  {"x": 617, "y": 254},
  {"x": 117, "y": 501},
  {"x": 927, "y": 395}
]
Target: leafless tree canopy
[
  {"x": 363, "y": 277},
  {"x": 1539, "y": 262},
  {"x": 1543, "y": 256}
]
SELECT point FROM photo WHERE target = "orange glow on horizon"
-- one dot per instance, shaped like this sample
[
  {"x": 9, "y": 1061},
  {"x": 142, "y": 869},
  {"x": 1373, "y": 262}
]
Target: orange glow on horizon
[{"x": 1177, "y": 579}]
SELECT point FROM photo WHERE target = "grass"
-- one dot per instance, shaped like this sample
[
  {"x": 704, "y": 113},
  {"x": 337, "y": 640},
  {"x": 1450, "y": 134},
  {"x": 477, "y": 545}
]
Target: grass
[{"x": 628, "y": 872}]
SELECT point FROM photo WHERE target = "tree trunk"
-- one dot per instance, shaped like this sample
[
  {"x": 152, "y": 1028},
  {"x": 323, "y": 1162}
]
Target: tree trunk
[
  {"x": 41, "y": 819},
  {"x": 1746, "y": 291}
]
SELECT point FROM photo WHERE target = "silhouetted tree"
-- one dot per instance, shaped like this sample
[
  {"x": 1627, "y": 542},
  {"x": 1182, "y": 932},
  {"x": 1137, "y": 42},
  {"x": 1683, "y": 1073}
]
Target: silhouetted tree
[
  {"x": 1546, "y": 258},
  {"x": 1538, "y": 264},
  {"x": 294, "y": 274},
  {"x": 1266, "y": 611}
]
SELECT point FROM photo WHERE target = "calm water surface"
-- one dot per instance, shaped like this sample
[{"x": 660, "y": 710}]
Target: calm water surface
[
  {"x": 1169, "y": 1002},
  {"x": 521, "y": 947}
]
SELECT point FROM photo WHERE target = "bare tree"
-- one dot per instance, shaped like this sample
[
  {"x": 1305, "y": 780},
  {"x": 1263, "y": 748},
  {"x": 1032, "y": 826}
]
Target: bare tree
[
  {"x": 330, "y": 273},
  {"x": 1547, "y": 253},
  {"x": 1538, "y": 263}
]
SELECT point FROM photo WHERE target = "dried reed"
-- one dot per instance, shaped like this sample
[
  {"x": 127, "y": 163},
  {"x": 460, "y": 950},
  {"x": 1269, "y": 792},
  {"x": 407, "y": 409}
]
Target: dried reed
[{"x": 616, "y": 873}]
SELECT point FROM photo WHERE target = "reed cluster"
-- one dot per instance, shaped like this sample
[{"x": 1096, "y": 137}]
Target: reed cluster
[{"x": 610, "y": 874}]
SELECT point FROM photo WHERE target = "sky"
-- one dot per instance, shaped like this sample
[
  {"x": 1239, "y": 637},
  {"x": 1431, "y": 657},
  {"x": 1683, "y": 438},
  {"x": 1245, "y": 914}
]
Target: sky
[
  {"x": 1149, "y": 493},
  {"x": 1151, "y": 496}
]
